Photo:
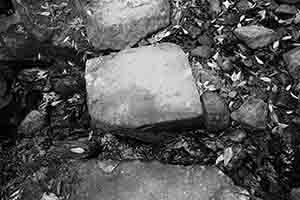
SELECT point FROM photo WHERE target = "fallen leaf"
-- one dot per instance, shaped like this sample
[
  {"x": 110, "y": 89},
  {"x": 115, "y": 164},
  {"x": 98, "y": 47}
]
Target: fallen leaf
[
  {"x": 78, "y": 150},
  {"x": 228, "y": 154},
  {"x": 50, "y": 196}
]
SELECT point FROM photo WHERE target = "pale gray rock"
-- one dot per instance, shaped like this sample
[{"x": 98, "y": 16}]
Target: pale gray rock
[
  {"x": 253, "y": 112},
  {"x": 139, "y": 86},
  {"x": 116, "y": 24},
  {"x": 135, "y": 180},
  {"x": 255, "y": 36}
]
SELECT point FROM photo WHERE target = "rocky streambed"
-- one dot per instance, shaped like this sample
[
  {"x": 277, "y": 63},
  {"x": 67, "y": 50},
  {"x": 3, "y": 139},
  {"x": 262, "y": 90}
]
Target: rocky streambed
[{"x": 149, "y": 100}]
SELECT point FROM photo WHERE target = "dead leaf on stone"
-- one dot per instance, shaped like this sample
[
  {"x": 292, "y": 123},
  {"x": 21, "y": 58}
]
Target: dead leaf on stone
[{"x": 228, "y": 154}]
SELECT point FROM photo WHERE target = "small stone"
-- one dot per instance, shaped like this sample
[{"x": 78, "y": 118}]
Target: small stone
[
  {"x": 253, "y": 112},
  {"x": 115, "y": 24},
  {"x": 243, "y": 5},
  {"x": 255, "y": 36},
  {"x": 285, "y": 100},
  {"x": 202, "y": 51},
  {"x": 292, "y": 59},
  {"x": 216, "y": 113},
  {"x": 205, "y": 40},
  {"x": 237, "y": 135},
  {"x": 66, "y": 86},
  {"x": 33, "y": 122},
  {"x": 286, "y": 9},
  {"x": 289, "y": 1},
  {"x": 215, "y": 6},
  {"x": 226, "y": 65},
  {"x": 139, "y": 86}
]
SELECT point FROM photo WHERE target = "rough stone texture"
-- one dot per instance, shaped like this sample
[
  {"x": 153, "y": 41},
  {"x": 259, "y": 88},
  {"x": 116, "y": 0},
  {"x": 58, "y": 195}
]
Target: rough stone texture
[
  {"x": 287, "y": 9},
  {"x": 7, "y": 21},
  {"x": 202, "y": 51},
  {"x": 216, "y": 113},
  {"x": 140, "y": 86},
  {"x": 255, "y": 36},
  {"x": 116, "y": 24},
  {"x": 136, "y": 180},
  {"x": 231, "y": 193},
  {"x": 295, "y": 194},
  {"x": 32, "y": 123},
  {"x": 292, "y": 59},
  {"x": 253, "y": 112},
  {"x": 289, "y": 1}
]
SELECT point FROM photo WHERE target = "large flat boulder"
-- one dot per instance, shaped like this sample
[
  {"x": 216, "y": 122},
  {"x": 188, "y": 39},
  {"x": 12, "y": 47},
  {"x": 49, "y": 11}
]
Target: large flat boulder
[
  {"x": 139, "y": 86},
  {"x": 116, "y": 24},
  {"x": 137, "y": 180}
]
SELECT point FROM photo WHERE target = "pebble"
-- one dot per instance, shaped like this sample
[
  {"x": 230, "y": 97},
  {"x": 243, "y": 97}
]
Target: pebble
[
  {"x": 255, "y": 36},
  {"x": 32, "y": 123},
  {"x": 202, "y": 51},
  {"x": 237, "y": 135},
  {"x": 292, "y": 59},
  {"x": 216, "y": 113},
  {"x": 253, "y": 112}
]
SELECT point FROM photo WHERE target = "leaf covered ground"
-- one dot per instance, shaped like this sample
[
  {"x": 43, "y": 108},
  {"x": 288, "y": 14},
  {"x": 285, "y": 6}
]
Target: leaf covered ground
[{"x": 266, "y": 161}]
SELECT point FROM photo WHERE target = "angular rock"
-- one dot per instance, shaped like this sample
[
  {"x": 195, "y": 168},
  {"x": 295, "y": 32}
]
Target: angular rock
[
  {"x": 141, "y": 86},
  {"x": 202, "y": 51},
  {"x": 255, "y": 36},
  {"x": 115, "y": 24},
  {"x": 216, "y": 113},
  {"x": 136, "y": 180},
  {"x": 292, "y": 59},
  {"x": 253, "y": 112},
  {"x": 289, "y": 1},
  {"x": 286, "y": 9},
  {"x": 33, "y": 122}
]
